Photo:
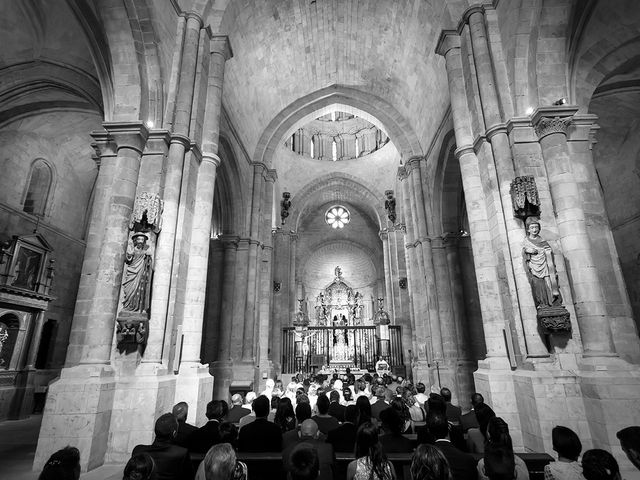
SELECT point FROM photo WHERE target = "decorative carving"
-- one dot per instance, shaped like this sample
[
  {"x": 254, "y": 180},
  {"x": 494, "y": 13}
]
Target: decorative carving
[
  {"x": 277, "y": 286},
  {"x": 381, "y": 317},
  {"x": 390, "y": 206},
  {"x": 548, "y": 125},
  {"x": 524, "y": 197},
  {"x": 285, "y": 205},
  {"x": 132, "y": 334},
  {"x": 147, "y": 213},
  {"x": 553, "y": 320},
  {"x": 403, "y": 283}
]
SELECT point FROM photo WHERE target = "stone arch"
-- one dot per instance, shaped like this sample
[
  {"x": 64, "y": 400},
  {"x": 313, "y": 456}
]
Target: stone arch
[
  {"x": 447, "y": 188},
  {"x": 371, "y": 107},
  {"x": 364, "y": 196}
]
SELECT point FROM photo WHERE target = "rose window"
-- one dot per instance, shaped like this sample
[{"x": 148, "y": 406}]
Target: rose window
[{"x": 337, "y": 216}]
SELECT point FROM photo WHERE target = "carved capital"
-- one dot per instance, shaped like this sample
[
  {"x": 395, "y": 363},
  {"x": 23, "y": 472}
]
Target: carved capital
[
  {"x": 554, "y": 119},
  {"x": 211, "y": 158},
  {"x": 220, "y": 45},
  {"x": 131, "y": 135},
  {"x": 448, "y": 40},
  {"x": 158, "y": 142}
]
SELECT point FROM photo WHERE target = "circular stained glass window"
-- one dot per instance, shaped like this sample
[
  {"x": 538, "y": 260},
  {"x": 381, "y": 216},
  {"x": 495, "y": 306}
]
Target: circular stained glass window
[{"x": 337, "y": 216}]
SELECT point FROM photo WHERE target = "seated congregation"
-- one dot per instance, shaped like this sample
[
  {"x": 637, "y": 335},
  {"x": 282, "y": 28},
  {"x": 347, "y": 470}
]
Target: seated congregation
[{"x": 374, "y": 428}]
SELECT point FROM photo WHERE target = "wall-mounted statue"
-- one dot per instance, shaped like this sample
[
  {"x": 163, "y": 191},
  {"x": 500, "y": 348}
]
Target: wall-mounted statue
[
  {"x": 390, "y": 206},
  {"x": 285, "y": 205},
  {"x": 540, "y": 267},
  {"x": 136, "y": 283}
]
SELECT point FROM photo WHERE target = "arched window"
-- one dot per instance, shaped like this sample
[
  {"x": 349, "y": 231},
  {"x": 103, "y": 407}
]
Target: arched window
[
  {"x": 35, "y": 201},
  {"x": 313, "y": 147}
]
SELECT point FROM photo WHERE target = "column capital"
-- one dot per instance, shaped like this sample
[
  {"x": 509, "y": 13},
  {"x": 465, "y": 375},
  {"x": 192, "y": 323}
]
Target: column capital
[
  {"x": 383, "y": 234},
  {"x": 259, "y": 168},
  {"x": 271, "y": 175},
  {"x": 131, "y": 135},
  {"x": 463, "y": 150},
  {"x": 554, "y": 119},
  {"x": 211, "y": 157},
  {"x": 104, "y": 146},
  {"x": 477, "y": 8},
  {"x": 448, "y": 40},
  {"x": 220, "y": 44},
  {"x": 158, "y": 142},
  {"x": 191, "y": 15},
  {"x": 182, "y": 140},
  {"x": 402, "y": 173},
  {"x": 229, "y": 241}
]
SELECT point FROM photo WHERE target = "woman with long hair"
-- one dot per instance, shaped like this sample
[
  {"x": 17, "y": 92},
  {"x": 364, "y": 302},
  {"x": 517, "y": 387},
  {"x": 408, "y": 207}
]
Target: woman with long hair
[
  {"x": 285, "y": 416},
  {"x": 499, "y": 462},
  {"x": 399, "y": 405},
  {"x": 220, "y": 463},
  {"x": 139, "y": 467},
  {"x": 371, "y": 462},
  {"x": 477, "y": 437},
  {"x": 364, "y": 410},
  {"x": 428, "y": 463}
]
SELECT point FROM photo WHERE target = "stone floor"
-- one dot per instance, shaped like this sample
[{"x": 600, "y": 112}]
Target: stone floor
[{"x": 18, "y": 440}]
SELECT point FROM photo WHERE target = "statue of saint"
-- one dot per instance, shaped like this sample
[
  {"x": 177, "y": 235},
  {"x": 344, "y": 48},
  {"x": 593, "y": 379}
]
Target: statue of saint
[
  {"x": 540, "y": 267},
  {"x": 338, "y": 272},
  {"x": 136, "y": 283}
]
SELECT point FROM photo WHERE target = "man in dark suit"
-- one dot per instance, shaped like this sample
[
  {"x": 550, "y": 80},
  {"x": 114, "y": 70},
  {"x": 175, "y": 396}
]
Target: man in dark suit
[
  {"x": 469, "y": 419},
  {"x": 237, "y": 411},
  {"x": 172, "y": 462},
  {"x": 303, "y": 463},
  {"x": 393, "y": 441},
  {"x": 462, "y": 465},
  {"x": 343, "y": 438},
  {"x": 309, "y": 433},
  {"x": 380, "y": 404},
  {"x": 335, "y": 409},
  {"x": 454, "y": 412},
  {"x": 180, "y": 411},
  {"x": 209, "y": 435},
  {"x": 261, "y": 435}
]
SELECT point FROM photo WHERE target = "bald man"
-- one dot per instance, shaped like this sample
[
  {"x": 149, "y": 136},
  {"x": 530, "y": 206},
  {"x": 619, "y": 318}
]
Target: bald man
[
  {"x": 237, "y": 411},
  {"x": 309, "y": 433}
]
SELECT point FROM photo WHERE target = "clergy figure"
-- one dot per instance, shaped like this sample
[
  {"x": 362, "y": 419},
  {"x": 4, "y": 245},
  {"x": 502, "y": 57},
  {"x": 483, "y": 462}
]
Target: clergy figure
[
  {"x": 540, "y": 267},
  {"x": 136, "y": 283}
]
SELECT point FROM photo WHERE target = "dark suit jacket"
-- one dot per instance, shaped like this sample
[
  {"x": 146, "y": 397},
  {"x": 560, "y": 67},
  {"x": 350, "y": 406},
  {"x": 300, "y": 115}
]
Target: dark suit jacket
[
  {"x": 326, "y": 424},
  {"x": 463, "y": 466},
  {"x": 184, "y": 432},
  {"x": 396, "y": 443},
  {"x": 343, "y": 438},
  {"x": 454, "y": 413},
  {"x": 172, "y": 462},
  {"x": 326, "y": 457},
  {"x": 337, "y": 410},
  {"x": 236, "y": 413},
  {"x": 260, "y": 436},
  {"x": 205, "y": 437},
  {"x": 469, "y": 420},
  {"x": 377, "y": 407}
]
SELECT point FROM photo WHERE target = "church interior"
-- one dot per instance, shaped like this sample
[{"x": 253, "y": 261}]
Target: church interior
[{"x": 199, "y": 195}]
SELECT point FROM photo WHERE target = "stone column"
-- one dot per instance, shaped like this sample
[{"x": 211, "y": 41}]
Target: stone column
[
  {"x": 221, "y": 368},
  {"x": 239, "y": 299},
  {"x": 486, "y": 268},
  {"x": 84, "y": 394},
  {"x": 252, "y": 270},
  {"x": 388, "y": 276},
  {"x": 265, "y": 324},
  {"x": 424, "y": 246},
  {"x": 130, "y": 138},
  {"x": 551, "y": 125},
  {"x": 180, "y": 144},
  {"x": 293, "y": 304}
]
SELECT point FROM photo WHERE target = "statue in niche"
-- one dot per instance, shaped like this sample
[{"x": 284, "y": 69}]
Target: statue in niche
[
  {"x": 390, "y": 206},
  {"x": 338, "y": 273},
  {"x": 136, "y": 283},
  {"x": 540, "y": 266}
]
